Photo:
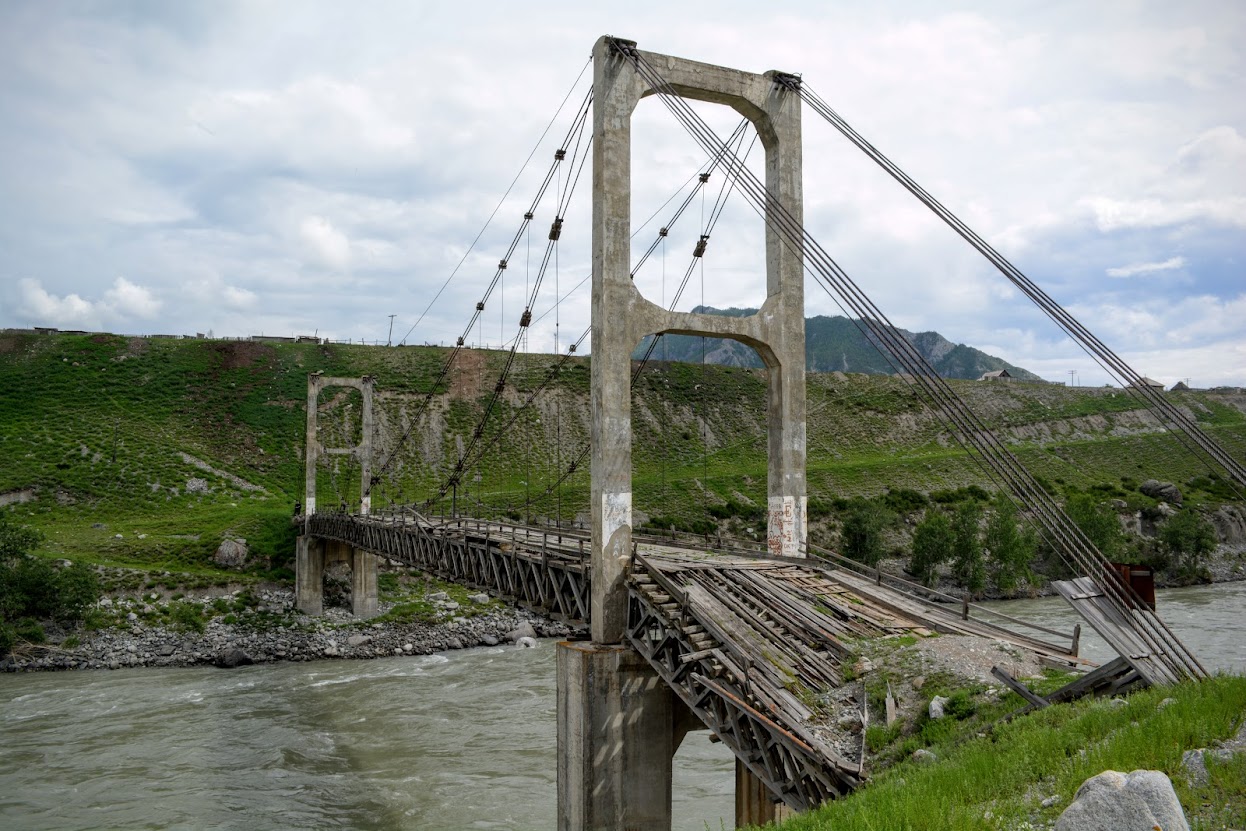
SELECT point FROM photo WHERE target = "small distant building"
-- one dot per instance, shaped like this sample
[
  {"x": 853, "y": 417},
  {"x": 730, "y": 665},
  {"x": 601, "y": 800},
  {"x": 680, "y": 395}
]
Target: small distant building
[
  {"x": 996, "y": 375},
  {"x": 1148, "y": 383},
  {"x": 1180, "y": 386}
]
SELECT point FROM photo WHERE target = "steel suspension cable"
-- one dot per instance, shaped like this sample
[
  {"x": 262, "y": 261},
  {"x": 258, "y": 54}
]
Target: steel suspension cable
[
  {"x": 576, "y": 126},
  {"x": 989, "y": 450},
  {"x": 1186, "y": 429}
]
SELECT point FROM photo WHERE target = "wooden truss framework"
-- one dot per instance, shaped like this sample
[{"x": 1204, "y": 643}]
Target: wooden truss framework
[{"x": 794, "y": 766}]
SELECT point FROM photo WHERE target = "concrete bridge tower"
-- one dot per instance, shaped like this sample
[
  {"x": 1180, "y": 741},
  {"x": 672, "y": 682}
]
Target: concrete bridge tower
[
  {"x": 312, "y": 553},
  {"x": 618, "y": 723}
]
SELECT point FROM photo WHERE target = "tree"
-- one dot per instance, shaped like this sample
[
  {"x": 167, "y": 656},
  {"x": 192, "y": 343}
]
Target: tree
[
  {"x": 862, "y": 532},
  {"x": 932, "y": 545},
  {"x": 1008, "y": 550},
  {"x": 1099, "y": 524},
  {"x": 967, "y": 564},
  {"x": 1188, "y": 538}
]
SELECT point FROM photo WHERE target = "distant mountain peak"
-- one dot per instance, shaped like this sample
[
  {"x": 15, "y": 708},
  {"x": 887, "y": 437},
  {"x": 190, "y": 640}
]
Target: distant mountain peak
[{"x": 836, "y": 343}]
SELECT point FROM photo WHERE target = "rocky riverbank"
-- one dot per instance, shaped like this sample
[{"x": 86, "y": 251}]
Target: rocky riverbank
[{"x": 152, "y": 632}]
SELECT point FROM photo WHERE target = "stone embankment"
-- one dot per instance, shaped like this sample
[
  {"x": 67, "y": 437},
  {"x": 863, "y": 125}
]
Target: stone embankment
[{"x": 277, "y": 633}]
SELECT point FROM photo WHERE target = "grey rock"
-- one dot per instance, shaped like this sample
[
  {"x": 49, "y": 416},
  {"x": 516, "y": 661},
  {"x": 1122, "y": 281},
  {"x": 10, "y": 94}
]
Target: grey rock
[
  {"x": 923, "y": 756},
  {"x": 1166, "y": 703},
  {"x": 478, "y": 598},
  {"x": 454, "y": 643},
  {"x": 1195, "y": 764},
  {"x": 358, "y": 640},
  {"x": 1111, "y": 801},
  {"x": 526, "y": 643},
  {"x": 131, "y": 617},
  {"x": 489, "y": 640},
  {"x": 1166, "y": 510},
  {"x": 231, "y": 553},
  {"x": 231, "y": 658},
  {"x": 1050, "y": 801},
  {"x": 937, "y": 705},
  {"x": 1166, "y": 491},
  {"x": 523, "y": 630},
  {"x": 166, "y": 650},
  {"x": 437, "y": 597}
]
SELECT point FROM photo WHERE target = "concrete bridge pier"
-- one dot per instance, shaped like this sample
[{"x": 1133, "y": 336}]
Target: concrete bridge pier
[
  {"x": 619, "y": 726},
  {"x": 313, "y": 554}
]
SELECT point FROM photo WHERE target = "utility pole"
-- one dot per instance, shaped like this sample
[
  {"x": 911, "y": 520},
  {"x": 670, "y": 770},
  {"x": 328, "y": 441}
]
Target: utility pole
[
  {"x": 1072, "y": 377},
  {"x": 389, "y": 340}
]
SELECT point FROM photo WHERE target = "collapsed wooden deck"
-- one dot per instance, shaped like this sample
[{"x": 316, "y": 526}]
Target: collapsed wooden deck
[{"x": 751, "y": 645}]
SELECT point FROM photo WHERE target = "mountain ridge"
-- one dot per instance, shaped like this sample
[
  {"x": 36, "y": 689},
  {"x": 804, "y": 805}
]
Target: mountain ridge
[{"x": 835, "y": 343}]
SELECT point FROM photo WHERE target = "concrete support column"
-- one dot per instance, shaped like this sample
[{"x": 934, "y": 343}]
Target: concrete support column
[
  {"x": 363, "y": 588},
  {"x": 364, "y": 451},
  {"x": 754, "y": 804},
  {"x": 309, "y": 576},
  {"x": 618, "y": 728},
  {"x": 312, "y": 453}
]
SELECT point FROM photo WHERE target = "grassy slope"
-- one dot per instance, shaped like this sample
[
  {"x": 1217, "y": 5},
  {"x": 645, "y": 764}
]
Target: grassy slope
[
  {"x": 998, "y": 779},
  {"x": 98, "y": 424}
]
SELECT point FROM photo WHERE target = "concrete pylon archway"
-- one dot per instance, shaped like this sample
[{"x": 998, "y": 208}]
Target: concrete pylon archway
[
  {"x": 312, "y": 555},
  {"x": 621, "y": 316},
  {"x": 619, "y": 724}
]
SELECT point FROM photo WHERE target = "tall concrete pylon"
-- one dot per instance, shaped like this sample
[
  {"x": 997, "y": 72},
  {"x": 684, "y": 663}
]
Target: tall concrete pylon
[
  {"x": 312, "y": 555},
  {"x": 621, "y": 316},
  {"x": 619, "y": 724}
]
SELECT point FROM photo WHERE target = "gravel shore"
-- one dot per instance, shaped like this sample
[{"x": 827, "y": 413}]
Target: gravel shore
[{"x": 273, "y": 633}]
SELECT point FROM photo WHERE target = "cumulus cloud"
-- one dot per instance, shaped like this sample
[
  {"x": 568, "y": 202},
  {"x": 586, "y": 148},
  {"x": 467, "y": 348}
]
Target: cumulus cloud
[
  {"x": 122, "y": 303},
  {"x": 327, "y": 245},
  {"x": 1146, "y": 268}
]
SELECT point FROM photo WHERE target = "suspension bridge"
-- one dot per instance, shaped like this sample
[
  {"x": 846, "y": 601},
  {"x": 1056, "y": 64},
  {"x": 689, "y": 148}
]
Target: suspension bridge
[{"x": 707, "y": 633}]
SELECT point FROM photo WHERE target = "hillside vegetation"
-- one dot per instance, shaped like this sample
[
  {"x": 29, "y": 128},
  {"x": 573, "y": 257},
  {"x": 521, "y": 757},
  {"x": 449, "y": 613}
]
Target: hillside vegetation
[{"x": 149, "y": 452}]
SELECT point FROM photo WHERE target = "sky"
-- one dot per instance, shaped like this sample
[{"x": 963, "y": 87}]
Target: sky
[{"x": 288, "y": 168}]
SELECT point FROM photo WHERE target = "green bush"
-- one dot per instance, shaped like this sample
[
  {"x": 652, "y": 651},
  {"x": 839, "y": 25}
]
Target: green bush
[
  {"x": 932, "y": 545},
  {"x": 967, "y": 564},
  {"x": 32, "y": 588},
  {"x": 187, "y": 616},
  {"x": 1009, "y": 550},
  {"x": 1188, "y": 538},
  {"x": 1098, "y": 523},
  {"x": 862, "y": 532}
]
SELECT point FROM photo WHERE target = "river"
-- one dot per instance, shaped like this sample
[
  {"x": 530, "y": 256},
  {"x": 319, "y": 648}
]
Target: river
[{"x": 456, "y": 741}]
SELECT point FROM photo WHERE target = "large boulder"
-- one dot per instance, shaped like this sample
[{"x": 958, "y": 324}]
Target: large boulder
[
  {"x": 230, "y": 658},
  {"x": 1112, "y": 801},
  {"x": 1163, "y": 491},
  {"x": 1230, "y": 524},
  {"x": 231, "y": 553}
]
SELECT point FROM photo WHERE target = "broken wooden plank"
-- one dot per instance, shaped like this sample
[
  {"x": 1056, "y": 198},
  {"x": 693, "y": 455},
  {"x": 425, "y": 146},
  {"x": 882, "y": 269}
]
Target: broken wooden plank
[{"x": 1019, "y": 688}]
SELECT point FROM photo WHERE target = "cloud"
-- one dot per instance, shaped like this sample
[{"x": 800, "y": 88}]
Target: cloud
[
  {"x": 327, "y": 244},
  {"x": 1147, "y": 268},
  {"x": 122, "y": 303},
  {"x": 41, "y": 308}
]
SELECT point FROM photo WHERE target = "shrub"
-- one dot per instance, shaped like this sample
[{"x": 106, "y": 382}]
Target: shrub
[
  {"x": 1099, "y": 524},
  {"x": 186, "y": 616},
  {"x": 1009, "y": 550},
  {"x": 932, "y": 545},
  {"x": 967, "y": 562},
  {"x": 905, "y": 500},
  {"x": 1189, "y": 538},
  {"x": 862, "y": 532}
]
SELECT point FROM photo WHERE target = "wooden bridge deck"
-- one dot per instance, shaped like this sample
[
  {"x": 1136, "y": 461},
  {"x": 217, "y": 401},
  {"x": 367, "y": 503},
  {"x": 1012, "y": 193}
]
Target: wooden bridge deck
[{"x": 748, "y": 643}]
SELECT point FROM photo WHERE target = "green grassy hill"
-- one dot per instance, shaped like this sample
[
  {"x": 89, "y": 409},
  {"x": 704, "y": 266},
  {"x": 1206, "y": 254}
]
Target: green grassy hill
[{"x": 148, "y": 452}]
